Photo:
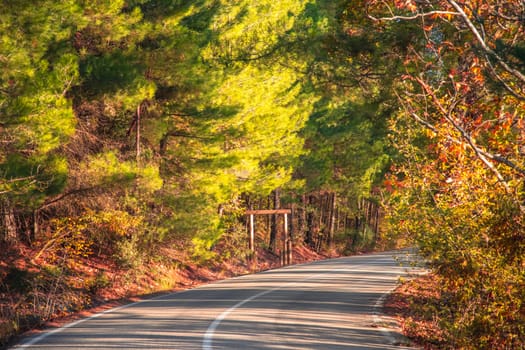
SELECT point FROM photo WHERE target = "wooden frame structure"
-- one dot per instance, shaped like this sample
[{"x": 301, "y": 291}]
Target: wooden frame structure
[{"x": 285, "y": 251}]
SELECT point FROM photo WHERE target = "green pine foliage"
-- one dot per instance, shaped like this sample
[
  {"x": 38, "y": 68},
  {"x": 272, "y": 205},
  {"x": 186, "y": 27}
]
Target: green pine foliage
[
  {"x": 233, "y": 97},
  {"x": 37, "y": 70}
]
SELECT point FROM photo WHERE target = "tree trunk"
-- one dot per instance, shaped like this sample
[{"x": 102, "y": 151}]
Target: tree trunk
[
  {"x": 331, "y": 220},
  {"x": 374, "y": 220},
  {"x": 337, "y": 220},
  {"x": 357, "y": 224},
  {"x": 309, "y": 221},
  {"x": 273, "y": 228},
  {"x": 137, "y": 134},
  {"x": 322, "y": 212},
  {"x": 301, "y": 218},
  {"x": 36, "y": 225},
  {"x": 9, "y": 225}
]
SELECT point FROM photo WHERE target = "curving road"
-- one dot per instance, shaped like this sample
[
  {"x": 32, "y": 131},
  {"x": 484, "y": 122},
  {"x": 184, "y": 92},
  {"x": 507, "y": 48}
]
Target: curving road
[{"x": 330, "y": 304}]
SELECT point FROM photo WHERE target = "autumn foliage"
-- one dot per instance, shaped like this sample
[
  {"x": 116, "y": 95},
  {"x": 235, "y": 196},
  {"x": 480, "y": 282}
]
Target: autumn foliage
[{"x": 461, "y": 138}]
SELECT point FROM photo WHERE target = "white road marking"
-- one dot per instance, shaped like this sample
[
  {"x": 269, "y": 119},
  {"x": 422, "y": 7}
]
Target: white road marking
[
  {"x": 208, "y": 337},
  {"x": 42, "y": 336},
  {"x": 33, "y": 341},
  {"x": 207, "y": 343},
  {"x": 378, "y": 319}
]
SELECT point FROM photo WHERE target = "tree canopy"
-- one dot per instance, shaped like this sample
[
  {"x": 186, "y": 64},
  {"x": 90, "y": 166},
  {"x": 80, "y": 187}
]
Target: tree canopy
[{"x": 134, "y": 124}]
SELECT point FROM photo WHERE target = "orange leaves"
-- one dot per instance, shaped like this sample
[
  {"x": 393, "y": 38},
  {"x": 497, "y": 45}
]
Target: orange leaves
[
  {"x": 479, "y": 120},
  {"x": 406, "y": 4},
  {"x": 394, "y": 185},
  {"x": 463, "y": 171},
  {"x": 476, "y": 72}
]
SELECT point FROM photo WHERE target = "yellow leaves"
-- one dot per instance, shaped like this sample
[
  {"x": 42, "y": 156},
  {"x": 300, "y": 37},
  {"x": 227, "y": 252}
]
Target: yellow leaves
[
  {"x": 430, "y": 133},
  {"x": 67, "y": 240},
  {"x": 250, "y": 27},
  {"x": 449, "y": 16},
  {"x": 114, "y": 222},
  {"x": 107, "y": 170}
]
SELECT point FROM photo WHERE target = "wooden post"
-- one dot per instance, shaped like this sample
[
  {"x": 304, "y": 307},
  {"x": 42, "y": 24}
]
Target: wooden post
[
  {"x": 284, "y": 250},
  {"x": 285, "y": 241},
  {"x": 274, "y": 239},
  {"x": 290, "y": 245}
]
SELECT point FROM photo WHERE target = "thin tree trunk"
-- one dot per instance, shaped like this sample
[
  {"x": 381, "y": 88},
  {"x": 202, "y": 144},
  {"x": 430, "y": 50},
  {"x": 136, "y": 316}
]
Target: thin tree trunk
[
  {"x": 357, "y": 224},
  {"x": 364, "y": 216},
  {"x": 273, "y": 229},
  {"x": 337, "y": 219},
  {"x": 137, "y": 134},
  {"x": 321, "y": 211},
  {"x": 36, "y": 225},
  {"x": 310, "y": 221},
  {"x": 376, "y": 223},
  {"x": 331, "y": 220},
  {"x": 301, "y": 218},
  {"x": 9, "y": 225}
]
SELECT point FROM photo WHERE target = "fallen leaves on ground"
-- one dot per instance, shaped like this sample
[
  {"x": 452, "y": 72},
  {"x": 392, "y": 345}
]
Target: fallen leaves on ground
[{"x": 416, "y": 304}]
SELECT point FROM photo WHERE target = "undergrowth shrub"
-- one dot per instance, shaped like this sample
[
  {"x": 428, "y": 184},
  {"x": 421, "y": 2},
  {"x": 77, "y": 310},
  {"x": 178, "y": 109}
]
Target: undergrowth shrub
[
  {"x": 34, "y": 298},
  {"x": 128, "y": 253},
  {"x": 109, "y": 228},
  {"x": 233, "y": 244},
  {"x": 477, "y": 247}
]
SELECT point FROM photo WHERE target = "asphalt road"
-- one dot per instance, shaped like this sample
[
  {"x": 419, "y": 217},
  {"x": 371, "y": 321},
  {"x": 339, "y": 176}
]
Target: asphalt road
[{"x": 331, "y": 304}]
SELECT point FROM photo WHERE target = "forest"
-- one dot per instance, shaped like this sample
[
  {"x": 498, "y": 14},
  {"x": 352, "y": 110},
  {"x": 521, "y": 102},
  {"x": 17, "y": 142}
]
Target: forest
[{"x": 139, "y": 132}]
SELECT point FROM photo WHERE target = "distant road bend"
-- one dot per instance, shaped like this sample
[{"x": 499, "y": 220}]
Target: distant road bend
[{"x": 330, "y": 304}]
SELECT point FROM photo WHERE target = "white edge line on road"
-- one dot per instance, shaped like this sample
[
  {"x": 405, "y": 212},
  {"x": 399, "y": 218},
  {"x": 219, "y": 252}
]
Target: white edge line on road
[
  {"x": 378, "y": 316},
  {"x": 207, "y": 343},
  {"x": 32, "y": 341},
  {"x": 35, "y": 339},
  {"x": 42, "y": 336},
  {"x": 208, "y": 337}
]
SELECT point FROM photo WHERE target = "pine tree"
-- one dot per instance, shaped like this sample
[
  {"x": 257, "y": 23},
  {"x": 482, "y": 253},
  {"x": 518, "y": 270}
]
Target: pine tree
[{"x": 37, "y": 72}]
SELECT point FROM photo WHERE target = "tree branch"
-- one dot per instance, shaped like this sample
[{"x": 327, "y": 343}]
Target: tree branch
[
  {"x": 415, "y": 16},
  {"x": 65, "y": 195},
  {"x": 484, "y": 45},
  {"x": 485, "y": 156},
  {"x": 482, "y": 154}
]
